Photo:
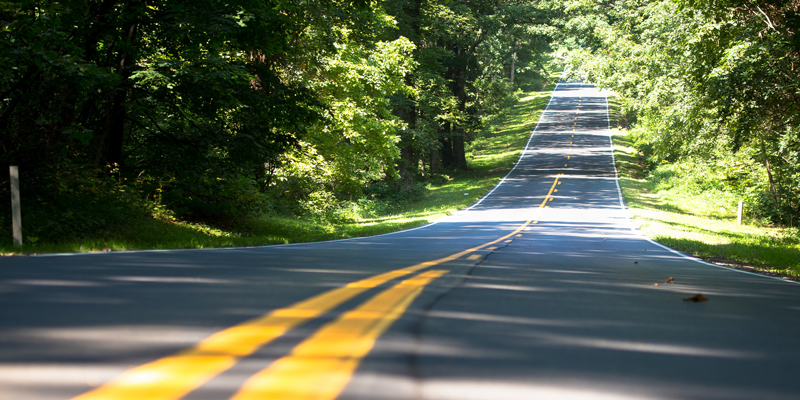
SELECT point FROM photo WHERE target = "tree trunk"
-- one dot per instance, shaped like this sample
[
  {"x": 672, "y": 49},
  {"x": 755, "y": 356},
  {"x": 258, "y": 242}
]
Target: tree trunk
[
  {"x": 435, "y": 160},
  {"x": 772, "y": 188},
  {"x": 407, "y": 164},
  {"x": 110, "y": 146},
  {"x": 514, "y": 61},
  {"x": 406, "y": 168},
  {"x": 116, "y": 133},
  {"x": 459, "y": 155},
  {"x": 457, "y": 137},
  {"x": 446, "y": 152},
  {"x": 513, "y": 66}
]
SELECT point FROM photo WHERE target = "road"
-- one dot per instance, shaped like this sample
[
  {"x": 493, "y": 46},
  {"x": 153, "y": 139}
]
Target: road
[{"x": 540, "y": 290}]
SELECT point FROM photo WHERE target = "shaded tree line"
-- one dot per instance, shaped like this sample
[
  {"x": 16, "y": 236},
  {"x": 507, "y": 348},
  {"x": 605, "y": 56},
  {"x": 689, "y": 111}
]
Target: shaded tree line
[
  {"x": 713, "y": 82},
  {"x": 212, "y": 109}
]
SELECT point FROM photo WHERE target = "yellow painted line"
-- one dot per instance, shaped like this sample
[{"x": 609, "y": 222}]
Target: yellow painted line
[
  {"x": 520, "y": 235},
  {"x": 498, "y": 240},
  {"x": 474, "y": 257},
  {"x": 567, "y": 157},
  {"x": 173, "y": 377},
  {"x": 321, "y": 366},
  {"x": 565, "y": 165},
  {"x": 492, "y": 248},
  {"x": 509, "y": 241},
  {"x": 555, "y": 190}
]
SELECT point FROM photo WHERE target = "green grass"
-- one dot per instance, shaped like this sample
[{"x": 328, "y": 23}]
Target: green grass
[
  {"x": 489, "y": 159},
  {"x": 703, "y": 224},
  {"x": 501, "y": 150}
]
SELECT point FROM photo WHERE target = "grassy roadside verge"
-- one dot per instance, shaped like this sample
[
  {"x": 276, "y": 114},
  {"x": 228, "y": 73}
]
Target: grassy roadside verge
[
  {"x": 696, "y": 225},
  {"x": 489, "y": 159}
]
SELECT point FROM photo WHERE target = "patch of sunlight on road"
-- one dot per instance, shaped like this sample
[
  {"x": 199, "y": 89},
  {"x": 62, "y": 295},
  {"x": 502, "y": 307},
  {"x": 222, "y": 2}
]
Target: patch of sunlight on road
[
  {"x": 505, "y": 319},
  {"x": 485, "y": 390},
  {"x": 646, "y": 347},
  {"x": 93, "y": 339},
  {"x": 16, "y": 378},
  {"x": 503, "y": 215}
]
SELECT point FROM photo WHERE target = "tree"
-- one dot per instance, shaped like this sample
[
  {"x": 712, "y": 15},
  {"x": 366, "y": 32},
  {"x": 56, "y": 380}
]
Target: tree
[
  {"x": 463, "y": 50},
  {"x": 708, "y": 78}
]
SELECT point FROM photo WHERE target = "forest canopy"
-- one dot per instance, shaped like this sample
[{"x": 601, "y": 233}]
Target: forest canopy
[
  {"x": 210, "y": 109},
  {"x": 713, "y": 82}
]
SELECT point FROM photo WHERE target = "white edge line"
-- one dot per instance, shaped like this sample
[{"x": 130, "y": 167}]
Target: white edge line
[
  {"x": 521, "y": 154},
  {"x": 629, "y": 218}
]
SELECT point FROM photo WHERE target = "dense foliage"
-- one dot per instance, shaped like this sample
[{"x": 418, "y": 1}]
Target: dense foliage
[
  {"x": 211, "y": 110},
  {"x": 714, "y": 83},
  {"x": 207, "y": 109}
]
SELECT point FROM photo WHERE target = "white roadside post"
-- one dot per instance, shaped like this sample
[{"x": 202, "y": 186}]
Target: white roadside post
[
  {"x": 739, "y": 216},
  {"x": 16, "y": 213}
]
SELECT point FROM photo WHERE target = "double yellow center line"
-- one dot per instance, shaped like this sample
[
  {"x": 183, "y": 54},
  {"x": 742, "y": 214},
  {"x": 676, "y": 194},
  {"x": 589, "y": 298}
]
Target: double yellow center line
[
  {"x": 322, "y": 365},
  {"x": 317, "y": 368}
]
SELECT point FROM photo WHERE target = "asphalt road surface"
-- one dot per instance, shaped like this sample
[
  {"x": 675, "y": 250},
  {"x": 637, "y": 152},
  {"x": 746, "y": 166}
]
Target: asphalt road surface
[{"x": 542, "y": 290}]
